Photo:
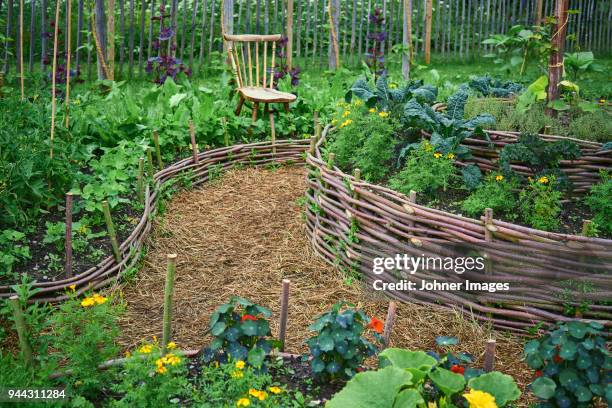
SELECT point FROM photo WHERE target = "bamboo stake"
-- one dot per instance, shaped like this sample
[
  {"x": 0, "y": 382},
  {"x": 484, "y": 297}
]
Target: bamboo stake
[
  {"x": 69, "y": 44},
  {"x": 53, "y": 84},
  {"x": 111, "y": 231},
  {"x": 194, "y": 146},
  {"x": 140, "y": 180},
  {"x": 68, "y": 237},
  {"x": 160, "y": 163},
  {"x": 489, "y": 357},
  {"x": 22, "y": 330},
  {"x": 168, "y": 289},
  {"x": 99, "y": 50},
  {"x": 110, "y": 39},
  {"x": 389, "y": 321},
  {"x": 428, "y": 32},
  {"x": 282, "y": 331},
  {"x": 290, "y": 34},
  {"x": 21, "y": 69}
]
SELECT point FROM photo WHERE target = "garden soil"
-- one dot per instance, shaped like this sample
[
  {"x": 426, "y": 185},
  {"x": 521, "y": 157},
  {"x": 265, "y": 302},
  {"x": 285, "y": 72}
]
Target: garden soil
[{"x": 241, "y": 235}]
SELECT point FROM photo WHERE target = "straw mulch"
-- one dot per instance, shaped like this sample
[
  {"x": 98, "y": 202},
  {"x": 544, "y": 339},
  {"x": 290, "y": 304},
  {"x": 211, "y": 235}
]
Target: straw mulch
[{"x": 241, "y": 235}]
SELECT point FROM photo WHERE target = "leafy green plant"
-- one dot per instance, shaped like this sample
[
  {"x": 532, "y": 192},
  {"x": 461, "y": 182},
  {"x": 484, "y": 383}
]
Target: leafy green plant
[
  {"x": 495, "y": 193},
  {"x": 414, "y": 378},
  {"x": 540, "y": 203},
  {"x": 449, "y": 129},
  {"x": 572, "y": 364},
  {"x": 578, "y": 63},
  {"x": 426, "y": 170},
  {"x": 338, "y": 349},
  {"x": 599, "y": 202},
  {"x": 495, "y": 87},
  {"x": 13, "y": 249},
  {"x": 540, "y": 156},
  {"x": 150, "y": 379},
  {"x": 240, "y": 329}
]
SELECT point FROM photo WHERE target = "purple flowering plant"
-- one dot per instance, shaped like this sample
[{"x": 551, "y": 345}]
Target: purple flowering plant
[
  {"x": 165, "y": 65},
  {"x": 375, "y": 57},
  {"x": 281, "y": 70}
]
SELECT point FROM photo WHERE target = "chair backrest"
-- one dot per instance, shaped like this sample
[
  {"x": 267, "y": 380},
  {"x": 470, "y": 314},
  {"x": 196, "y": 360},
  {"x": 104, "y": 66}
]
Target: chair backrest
[{"x": 244, "y": 53}]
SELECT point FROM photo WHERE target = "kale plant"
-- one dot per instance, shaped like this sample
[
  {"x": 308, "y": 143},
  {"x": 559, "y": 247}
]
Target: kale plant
[
  {"x": 382, "y": 96},
  {"x": 498, "y": 88}
]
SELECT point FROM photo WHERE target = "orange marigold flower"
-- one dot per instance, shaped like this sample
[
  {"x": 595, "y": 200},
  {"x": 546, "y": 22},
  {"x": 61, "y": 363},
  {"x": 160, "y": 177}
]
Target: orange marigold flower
[{"x": 376, "y": 325}]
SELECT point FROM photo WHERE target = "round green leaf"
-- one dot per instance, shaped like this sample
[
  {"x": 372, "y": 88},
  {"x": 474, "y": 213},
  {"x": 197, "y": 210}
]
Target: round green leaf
[
  {"x": 326, "y": 342},
  {"x": 501, "y": 386},
  {"x": 447, "y": 381},
  {"x": 256, "y": 356},
  {"x": 532, "y": 346},
  {"x": 583, "y": 394},
  {"x": 249, "y": 327},
  {"x": 317, "y": 365},
  {"x": 544, "y": 388},
  {"x": 577, "y": 329},
  {"x": 408, "y": 398},
  {"x": 218, "y": 329},
  {"x": 568, "y": 377},
  {"x": 446, "y": 340},
  {"x": 568, "y": 350}
]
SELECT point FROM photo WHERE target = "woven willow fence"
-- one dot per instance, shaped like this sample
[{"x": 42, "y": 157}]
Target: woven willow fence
[
  {"x": 350, "y": 222},
  {"x": 208, "y": 164}
]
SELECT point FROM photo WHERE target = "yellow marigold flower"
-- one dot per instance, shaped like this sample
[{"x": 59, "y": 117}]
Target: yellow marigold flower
[
  {"x": 358, "y": 102},
  {"x": 480, "y": 399},
  {"x": 237, "y": 374},
  {"x": 171, "y": 345},
  {"x": 450, "y": 156},
  {"x": 128, "y": 354},
  {"x": 146, "y": 349},
  {"x": 346, "y": 123},
  {"x": 372, "y": 110},
  {"x": 161, "y": 369},
  {"x": 437, "y": 155},
  {"x": 239, "y": 364},
  {"x": 392, "y": 85},
  {"x": 432, "y": 405},
  {"x": 72, "y": 287},
  {"x": 275, "y": 390},
  {"x": 346, "y": 113},
  {"x": 428, "y": 147},
  {"x": 383, "y": 114},
  {"x": 87, "y": 302},
  {"x": 243, "y": 402},
  {"x": 334, "y": 121},
  {"x": 100, "y": 300},
  {"x": 543, "y": 180},
  {"x": 260, "y": 395},
  {"x": 602, "y": 101},
  {"x": 499, "y": 177},
  {"x": 171, "y": 359}
]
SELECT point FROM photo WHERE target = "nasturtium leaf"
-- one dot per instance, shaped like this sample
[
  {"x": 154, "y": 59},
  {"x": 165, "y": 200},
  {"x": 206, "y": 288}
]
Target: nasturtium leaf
[
  {"x": 408, "y": 398},
  {"x": 333, "y": 367},
  {"x": 225, "y": 308},
  {"x": 583, "y": 394},
  {"x": 216, "y": 344},
  {"x": 371, "y": 389},
  {"x": 317, "y": 365},
  {"x": 446, "y": 340},
  {"x": 568, "y": 377},
  {"x": 236, "y": 351},
  {"x": 532, "y": 346},
  {"x": 326, "y": 342},
  {"x": 263, "y": 327},
  {"x": 544, "y": 387},
  {"x": 218, "y": 329},
  {"x": 418, "y": 363},
  {"x": 501, "y": 386},
  {"x": 583, "y": 361},
  {"x": 568, "y": 350},
  {"x": 256, "y": 356},
  {"x": 447, "y": 381},
  {"x": 249, "y": 327},
  {"x": 232, "y": 334},
  {"x": 577, "y": 329}
]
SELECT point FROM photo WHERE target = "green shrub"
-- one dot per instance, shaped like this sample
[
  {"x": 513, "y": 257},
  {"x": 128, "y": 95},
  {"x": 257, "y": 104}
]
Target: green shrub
[
  {"x": 495, "y": 193},
  {"x": 595, "y": 126},
  {"x": 493, "y": 106},
  {"x": 532, "y": 121},
  {"x": 338, "y": 349},
  {"x": 600, "y": 203},
  {"x": 572, "y": 364},
  {"x": 540, "y": 204},
  {"x": 240, "y": 329},
  {"x": 425, "y": 171}
]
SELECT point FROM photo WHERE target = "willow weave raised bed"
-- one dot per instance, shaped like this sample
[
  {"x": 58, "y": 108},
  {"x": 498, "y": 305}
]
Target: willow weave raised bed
[
  {"x": 108, "y": 270},
  {"x": 350, "y": 222}
]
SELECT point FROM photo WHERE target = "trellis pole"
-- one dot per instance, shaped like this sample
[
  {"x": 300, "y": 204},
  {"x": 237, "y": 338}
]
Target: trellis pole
[
  {"x": 555, "y": 65},
  {"x": 290, "y": 34},
  {"x": 68, "y": 55},
  {"x": 110, "y": 42},
  {"x": 428, "y": 32},
  {"x": 53, "y": 84},
  {"x": 333, "y": 11},
  {"x": 21, "y": 69},
  {"x": 406, "y": 45}
]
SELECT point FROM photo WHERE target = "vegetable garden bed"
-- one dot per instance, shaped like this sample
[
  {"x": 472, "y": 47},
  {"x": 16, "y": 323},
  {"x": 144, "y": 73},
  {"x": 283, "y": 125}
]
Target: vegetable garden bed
[{"x": 351, "y": 221}]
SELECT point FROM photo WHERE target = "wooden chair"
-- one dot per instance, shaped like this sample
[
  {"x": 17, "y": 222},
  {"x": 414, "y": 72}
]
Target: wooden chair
[{"x": 258, "y": 86}]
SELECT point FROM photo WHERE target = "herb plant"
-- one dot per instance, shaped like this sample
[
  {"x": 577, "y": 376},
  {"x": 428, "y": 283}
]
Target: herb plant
[
  {"x": 540, "y": 203},
  {"x": 600, "y": 203},
  {"x": 240, "y": 331},
  {"x": 338, "y": 349},
  {"x": 573, "y": 365},
  {"x": 495, "y": 193}
]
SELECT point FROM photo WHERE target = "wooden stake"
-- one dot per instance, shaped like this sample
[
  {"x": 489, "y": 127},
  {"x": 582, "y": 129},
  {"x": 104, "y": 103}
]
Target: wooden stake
[
  {"x": 151, "y": 169},
  {"x": 313, "y": 145},
  {"x": 68, "y": 45},
  {"x": 22, "y": 330},
  {"x": 140, "y": 180},
  {"x": 357, "y": 175},
  {"x": 290, "y": 33},
  {"x": 111, "y": 230},
  {"x": 317, "y": 125},
  {"x": 160, "y": 163},
  {"x": 330, "y": 161},
  {"x": 225, "y": 132},
  {"x": 194, "y": 146},
  {"x": 68, "y": 238},
  {"x": 489, "y": 357},
  {"x": 428, "y": 32},
  {"x": 412, "y": 198},
  {"x": 488, "y": 220},
  {"x": 282, "y": 331},
  {"x": 389, "y": 321},
  {"x": 21, "y": 69},
  {"x": 555, "y": 64},
  {"x": 586, "y": 227},
  {"x": 53, "y": 84},
  {"x": 169, "y": 288}
]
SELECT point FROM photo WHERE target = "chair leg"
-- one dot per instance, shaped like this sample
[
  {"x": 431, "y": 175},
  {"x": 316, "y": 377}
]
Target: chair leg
[
  {"x": 239, "y": 107},
  {"x": 286, "y": 105},
  {"x": 255, "y": 109},
  {"x": 272, "y": 129}
]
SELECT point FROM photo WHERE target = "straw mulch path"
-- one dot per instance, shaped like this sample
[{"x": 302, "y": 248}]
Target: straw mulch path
[{"x": 244, "y": 233}]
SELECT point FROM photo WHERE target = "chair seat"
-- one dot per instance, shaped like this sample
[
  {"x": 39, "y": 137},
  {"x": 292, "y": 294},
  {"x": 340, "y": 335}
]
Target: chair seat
[{"x": 265, "y": 95}]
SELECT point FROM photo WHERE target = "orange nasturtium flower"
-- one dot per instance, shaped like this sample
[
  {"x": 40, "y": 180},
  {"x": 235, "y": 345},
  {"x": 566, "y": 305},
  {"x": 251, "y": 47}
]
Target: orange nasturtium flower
[
  {"x": 248, "y": 317},
  {"x": 376, "y": 325}
]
